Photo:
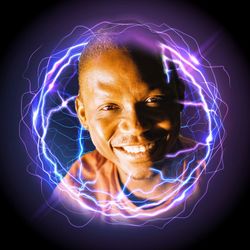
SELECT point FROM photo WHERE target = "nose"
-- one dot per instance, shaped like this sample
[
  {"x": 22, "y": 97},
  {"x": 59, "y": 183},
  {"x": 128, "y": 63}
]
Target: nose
[{"x": 134, "y": 123}]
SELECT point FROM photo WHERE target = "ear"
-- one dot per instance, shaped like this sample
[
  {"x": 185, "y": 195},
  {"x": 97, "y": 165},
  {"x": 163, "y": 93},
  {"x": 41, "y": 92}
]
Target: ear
[{"x": 80, "y": 110}]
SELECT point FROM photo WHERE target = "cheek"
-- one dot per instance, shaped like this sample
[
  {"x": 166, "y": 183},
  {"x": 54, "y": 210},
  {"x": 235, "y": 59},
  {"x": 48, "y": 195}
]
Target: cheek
[
  {"x": 102, "y": 129},
  {"x": 166, "y": 125},
  {"x": 170, "y": 124}
]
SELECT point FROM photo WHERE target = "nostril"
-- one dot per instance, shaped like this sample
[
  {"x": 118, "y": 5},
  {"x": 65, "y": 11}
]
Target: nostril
[{"x": 133, "y": 126}]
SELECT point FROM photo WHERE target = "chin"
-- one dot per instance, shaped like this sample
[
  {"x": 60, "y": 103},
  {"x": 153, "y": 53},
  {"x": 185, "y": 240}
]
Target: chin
[
  {"x": 142, "y": 176},
  {"x": 137, "y": 171}
]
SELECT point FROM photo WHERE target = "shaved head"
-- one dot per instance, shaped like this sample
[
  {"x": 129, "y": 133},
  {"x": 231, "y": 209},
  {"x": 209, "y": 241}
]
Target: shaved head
[{"x": 149, "y": 64}]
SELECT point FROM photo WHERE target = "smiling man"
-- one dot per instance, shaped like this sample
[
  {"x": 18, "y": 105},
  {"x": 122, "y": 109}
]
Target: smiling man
[{"x": 133, "y": 117}]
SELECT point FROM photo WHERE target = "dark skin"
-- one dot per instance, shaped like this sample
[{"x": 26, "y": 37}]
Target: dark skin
[{"x": 132, "y": 122}]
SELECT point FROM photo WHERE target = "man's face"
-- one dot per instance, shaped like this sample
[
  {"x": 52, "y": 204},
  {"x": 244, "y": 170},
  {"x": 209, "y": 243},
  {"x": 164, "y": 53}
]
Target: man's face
[{"x": 132, "y": 122}]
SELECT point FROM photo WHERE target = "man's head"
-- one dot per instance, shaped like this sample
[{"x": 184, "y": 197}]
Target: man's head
[{"x": 127, "y": 106}]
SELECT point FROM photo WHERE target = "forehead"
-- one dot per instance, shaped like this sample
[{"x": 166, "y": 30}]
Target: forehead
[{"x": 116, "y": 71}]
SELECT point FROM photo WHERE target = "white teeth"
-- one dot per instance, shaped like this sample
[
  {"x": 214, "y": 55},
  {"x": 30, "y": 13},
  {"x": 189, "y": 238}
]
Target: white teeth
[
  {"x": 137, "y": 149},
  {"x": 134, "y": 149}
]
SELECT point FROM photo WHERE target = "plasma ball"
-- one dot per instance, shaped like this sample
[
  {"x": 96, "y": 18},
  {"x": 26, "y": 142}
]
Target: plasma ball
[
  {"x": 194, "y": 60},
  {"x": 59, "y": 139}
]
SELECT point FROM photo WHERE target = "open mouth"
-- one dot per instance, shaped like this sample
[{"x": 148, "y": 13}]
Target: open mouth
[{"x": 139, "y": 152}]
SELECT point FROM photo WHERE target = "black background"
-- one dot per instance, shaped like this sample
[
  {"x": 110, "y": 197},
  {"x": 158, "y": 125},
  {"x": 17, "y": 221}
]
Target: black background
[{"x": 230, "y": 231}]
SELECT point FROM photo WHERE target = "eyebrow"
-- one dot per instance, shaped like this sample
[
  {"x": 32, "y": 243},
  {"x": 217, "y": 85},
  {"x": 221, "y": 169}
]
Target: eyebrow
[
  {"x": 103, "y": 84},
  {"x": 104, "y": 87},
  {"x": 105, "y": 91}
]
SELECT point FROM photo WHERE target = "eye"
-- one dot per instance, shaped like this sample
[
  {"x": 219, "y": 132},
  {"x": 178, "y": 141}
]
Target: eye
[
  {"x": 109, "y": 107},
  {"x": 154, "y": 101}
]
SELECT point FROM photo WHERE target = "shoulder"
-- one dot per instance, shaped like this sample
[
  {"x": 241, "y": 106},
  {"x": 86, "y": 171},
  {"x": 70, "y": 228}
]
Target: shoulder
[
  {"x": 81, "y": 176},
  {"x": 86, "y": 166},
  {"x": 83, "y": 169}
]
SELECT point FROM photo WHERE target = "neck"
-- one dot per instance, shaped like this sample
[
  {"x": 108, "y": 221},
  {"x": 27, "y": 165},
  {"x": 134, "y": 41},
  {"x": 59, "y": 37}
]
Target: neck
[{"x": 152, "y": 188}]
